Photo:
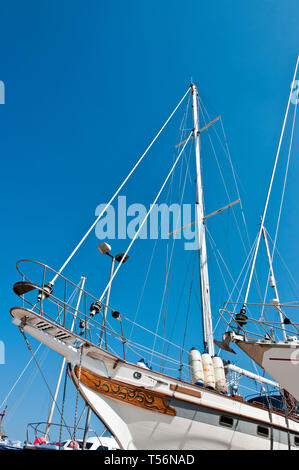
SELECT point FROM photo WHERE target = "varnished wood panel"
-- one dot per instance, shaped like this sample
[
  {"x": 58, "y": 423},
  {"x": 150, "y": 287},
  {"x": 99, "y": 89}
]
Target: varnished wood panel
[{"x": 128, "y": 393}]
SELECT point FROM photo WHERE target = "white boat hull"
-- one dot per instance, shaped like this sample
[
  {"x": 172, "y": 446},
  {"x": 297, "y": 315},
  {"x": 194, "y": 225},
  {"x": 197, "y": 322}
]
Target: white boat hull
[
  {"x": 147, "y": 410},
  {"x": 149, "y": 433},
  {"x": 280, "y": 360}
]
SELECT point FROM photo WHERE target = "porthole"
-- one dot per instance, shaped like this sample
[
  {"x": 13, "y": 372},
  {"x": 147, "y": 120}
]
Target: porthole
[
  {"x": 263, "y": 431},
  {"x": 137, "y": 375},
  {"x": 226, "y": 421},
  {"x": 296, "y": 440}
]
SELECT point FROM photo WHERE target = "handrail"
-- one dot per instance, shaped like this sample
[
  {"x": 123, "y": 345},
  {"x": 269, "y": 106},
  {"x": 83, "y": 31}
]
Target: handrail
[
  {"x": 66, "y": 311},
  {"x": 266, "y": 328}
]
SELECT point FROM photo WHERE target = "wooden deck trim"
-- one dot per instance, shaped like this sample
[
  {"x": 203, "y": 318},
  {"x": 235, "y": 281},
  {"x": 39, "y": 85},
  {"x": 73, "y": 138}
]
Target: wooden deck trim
[
  {"x": 185, "y": 390},
  {"x": 160, "y": 405}
]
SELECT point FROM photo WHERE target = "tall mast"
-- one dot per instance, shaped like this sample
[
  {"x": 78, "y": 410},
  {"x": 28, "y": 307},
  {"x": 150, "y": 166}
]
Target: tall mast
[
  {"x": 273, "y": 284},
  {"x": 201, "y": 235},
  {"x": 243, "y": 310}
]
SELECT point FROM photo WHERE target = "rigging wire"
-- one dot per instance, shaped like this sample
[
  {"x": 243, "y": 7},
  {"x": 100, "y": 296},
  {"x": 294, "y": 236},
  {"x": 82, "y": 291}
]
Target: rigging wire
[
  {"x": 187, "y": 318},
  {"x": 176, "y": 364},
  {"x": 188, "y": 265},
  {"x": 285, "y": 266},
  {"x": 168, "y": 269},
  {"x": 118, "y": 190},
  {"x": 170, "y": 262},
  {"x": 62, "y": 405},
  {"x": 155, "y": 245},
  {"x": 77, "y": 395},
  {"x": 143, "y": 290},
  {"x": 150, "y": 332},
  {"x": 20, "y": 376},
  {"x": 247, "y": 262},
  {"x": 270, "y": 186},
  {"x": 146, "y": 217},
  {"x": 281, "y": 202},
  {"x": 40, "y": 370},
  {"x": 227, "y": 153},
  {"x": 166, "y": 292},
  {"x": 70, "y": 300},
  {"x": 215, "y": 251},
  {"x": 26, "y": 387}
]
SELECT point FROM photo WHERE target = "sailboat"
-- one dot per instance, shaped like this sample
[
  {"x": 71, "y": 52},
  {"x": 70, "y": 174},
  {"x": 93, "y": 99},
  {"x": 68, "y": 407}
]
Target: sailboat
[
  {"x": 144, "y": 408},
  {"x": 272, "y": 344}
]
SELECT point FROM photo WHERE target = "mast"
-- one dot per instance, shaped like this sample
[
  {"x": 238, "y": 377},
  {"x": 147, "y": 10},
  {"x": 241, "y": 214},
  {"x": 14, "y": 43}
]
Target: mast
[
  {"x": 201, "y": 236},
  {"x": 243, "y": 310},
  {"x": 273, "y": 284}
]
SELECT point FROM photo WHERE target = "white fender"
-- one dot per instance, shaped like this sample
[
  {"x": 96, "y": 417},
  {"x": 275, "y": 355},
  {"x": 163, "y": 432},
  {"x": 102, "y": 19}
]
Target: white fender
[
  {"x": 220, "y": 382},
  {"x": 195, "y": 364},
  {"x": 208, "y": 371}
]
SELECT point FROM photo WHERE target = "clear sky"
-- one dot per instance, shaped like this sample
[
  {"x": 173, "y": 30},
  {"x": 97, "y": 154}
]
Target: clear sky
[{"x": 87, "y": 85}]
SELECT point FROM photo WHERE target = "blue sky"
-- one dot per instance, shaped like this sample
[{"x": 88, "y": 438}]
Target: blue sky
[{"x": 87, "y": 86}]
